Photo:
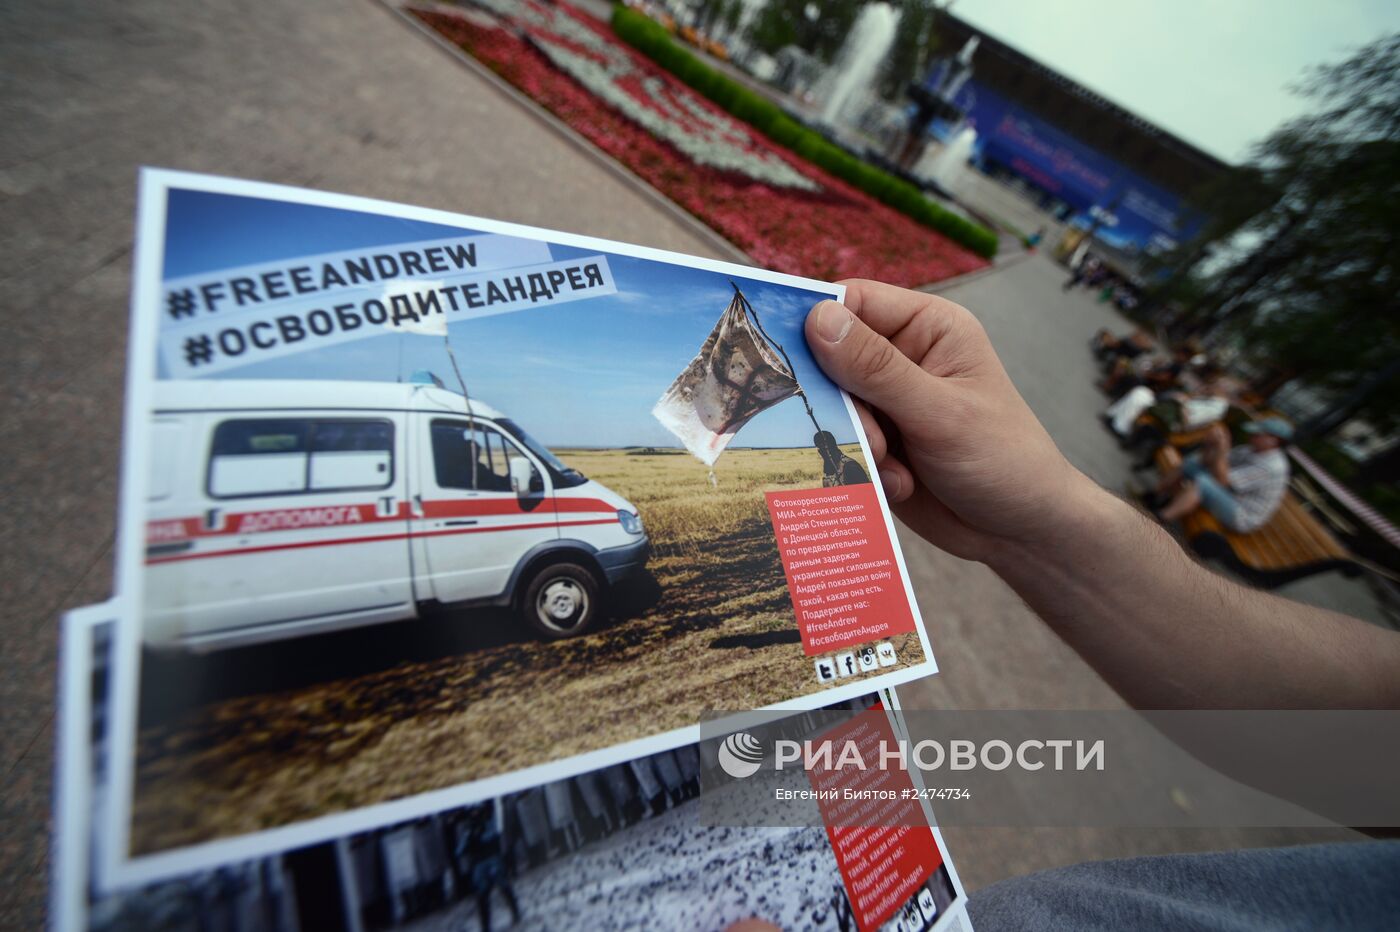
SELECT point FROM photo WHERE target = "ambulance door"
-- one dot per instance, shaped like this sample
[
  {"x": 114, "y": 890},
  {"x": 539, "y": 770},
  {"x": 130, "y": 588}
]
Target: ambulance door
[
  {"x": 304, "y": 525},
  {"x": 481, "y": 502}
]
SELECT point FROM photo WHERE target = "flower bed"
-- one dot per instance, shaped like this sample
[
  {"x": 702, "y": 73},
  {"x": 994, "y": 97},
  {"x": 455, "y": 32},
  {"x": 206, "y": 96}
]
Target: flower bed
[{"x": 785, "y": 213}]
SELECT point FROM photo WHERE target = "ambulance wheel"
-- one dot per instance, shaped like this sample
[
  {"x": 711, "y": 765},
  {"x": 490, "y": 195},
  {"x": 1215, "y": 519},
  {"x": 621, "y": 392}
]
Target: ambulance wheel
[{"x": 563, "y": 600}]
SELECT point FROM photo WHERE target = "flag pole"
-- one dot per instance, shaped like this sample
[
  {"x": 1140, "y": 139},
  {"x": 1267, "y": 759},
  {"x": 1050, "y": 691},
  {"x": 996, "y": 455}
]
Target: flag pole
[{"x": 749, "y": 308}]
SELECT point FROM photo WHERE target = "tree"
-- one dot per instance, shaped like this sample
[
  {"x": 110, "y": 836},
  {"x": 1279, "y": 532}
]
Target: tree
[
  {"x": 774, "y": 27},
  {"x": 1228, "y": 202},
  {"x": 913, "y": 49},
  {"x": 784, "y": 22},
  {"x": 1316, "y": 293},
  {"x": 709, "y": 14},
  {"x": 733, "y": 14}
]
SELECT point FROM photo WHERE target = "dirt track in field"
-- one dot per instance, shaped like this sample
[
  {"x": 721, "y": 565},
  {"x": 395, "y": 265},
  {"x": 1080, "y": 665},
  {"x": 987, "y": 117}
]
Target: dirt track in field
[{"x": 281, "y": 733}]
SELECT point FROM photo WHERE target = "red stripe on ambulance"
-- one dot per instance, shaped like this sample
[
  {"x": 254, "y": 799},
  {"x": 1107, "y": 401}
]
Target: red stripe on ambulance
[
  {"x": 176, "y": 530},
  {"x": 340, "y": 541}
]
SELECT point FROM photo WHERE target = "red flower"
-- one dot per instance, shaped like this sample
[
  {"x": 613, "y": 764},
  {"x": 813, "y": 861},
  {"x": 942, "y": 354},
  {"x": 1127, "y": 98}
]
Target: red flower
[{"x": 836, "y": 232}]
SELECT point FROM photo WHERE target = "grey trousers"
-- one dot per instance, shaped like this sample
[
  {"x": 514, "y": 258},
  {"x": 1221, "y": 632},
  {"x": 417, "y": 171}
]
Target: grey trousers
[{"x": 1333, "y": 887}]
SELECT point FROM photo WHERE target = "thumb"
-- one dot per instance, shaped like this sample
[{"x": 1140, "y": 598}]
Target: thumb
[{"x": 862, "y": 361}]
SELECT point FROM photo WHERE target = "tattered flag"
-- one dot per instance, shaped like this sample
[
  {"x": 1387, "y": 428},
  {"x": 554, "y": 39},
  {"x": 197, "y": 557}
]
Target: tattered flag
[{"x": 736, "y": 375}]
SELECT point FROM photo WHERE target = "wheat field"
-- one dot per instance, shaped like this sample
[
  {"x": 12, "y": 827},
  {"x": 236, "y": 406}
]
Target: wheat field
[
  {"x": 682, "y": 510},
  {"x": 708, "y": 626}
]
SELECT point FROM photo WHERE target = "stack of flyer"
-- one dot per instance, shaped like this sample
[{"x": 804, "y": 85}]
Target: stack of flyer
[{"x": 439, "y": 537}]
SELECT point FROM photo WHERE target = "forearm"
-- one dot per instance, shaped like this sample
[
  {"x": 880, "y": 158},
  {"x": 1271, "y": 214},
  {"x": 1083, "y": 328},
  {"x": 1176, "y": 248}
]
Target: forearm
[{"x": 1167, "y": 633}]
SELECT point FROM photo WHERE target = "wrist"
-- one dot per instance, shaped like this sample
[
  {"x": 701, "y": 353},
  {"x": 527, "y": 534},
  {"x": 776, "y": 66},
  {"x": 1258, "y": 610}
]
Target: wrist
[
  {"x": 1084, "y": 518},
  {"x": 1097, "y": 565}
]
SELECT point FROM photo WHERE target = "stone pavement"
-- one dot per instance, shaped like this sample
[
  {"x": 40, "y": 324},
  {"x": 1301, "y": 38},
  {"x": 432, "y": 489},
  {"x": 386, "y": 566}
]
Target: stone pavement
[
  {"x": 331, "y": 94},
  {"x": 335, "y": 94}
]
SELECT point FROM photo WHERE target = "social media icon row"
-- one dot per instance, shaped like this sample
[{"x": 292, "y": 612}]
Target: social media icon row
[
  {"x": 918, "y": 912},
  {"x": 850, "y": 663}
]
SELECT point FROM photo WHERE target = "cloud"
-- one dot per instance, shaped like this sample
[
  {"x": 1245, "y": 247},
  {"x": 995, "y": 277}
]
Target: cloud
[
  {"x": 788, "y": 307},
  {"x": 429, "y": 325},
  {"x": 617, "y": 374},
  {"x": 679, "y": 301}
]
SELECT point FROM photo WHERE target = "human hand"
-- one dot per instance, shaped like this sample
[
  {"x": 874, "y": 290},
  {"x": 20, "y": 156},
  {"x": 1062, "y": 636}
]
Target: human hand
[{"x": 963, "y": 460}]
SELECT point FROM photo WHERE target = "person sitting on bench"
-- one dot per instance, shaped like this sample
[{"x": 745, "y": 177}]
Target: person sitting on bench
[
  {"x": 1174, "y": 411},
  {"x": 1157, "y": 372},
  {"x": 1242, "y": 487},
  {"x": 1108, "y": 348}
]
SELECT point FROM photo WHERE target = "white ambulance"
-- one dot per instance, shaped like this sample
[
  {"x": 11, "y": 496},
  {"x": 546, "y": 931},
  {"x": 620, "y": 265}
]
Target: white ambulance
[{"x": 283, "y": 508}]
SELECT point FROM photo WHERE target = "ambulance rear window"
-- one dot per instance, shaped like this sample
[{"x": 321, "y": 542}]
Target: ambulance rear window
[
  {"x": 259, "y": 457},
  {"x": 287, "y": 456},
  {"x": 243, "y": 438},
  {"x": 351, "y": 455}
]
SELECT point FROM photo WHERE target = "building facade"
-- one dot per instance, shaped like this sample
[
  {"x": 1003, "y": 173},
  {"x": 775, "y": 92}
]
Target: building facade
[{"x": 1080, "y": 155}]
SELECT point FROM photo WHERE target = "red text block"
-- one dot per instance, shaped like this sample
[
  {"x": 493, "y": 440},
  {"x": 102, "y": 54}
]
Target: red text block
[
  {"x": 881, "y": 839},
  {"x": 840, "y": 567}
]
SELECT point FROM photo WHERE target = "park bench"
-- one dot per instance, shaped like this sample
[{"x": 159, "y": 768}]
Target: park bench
[
  {"x": 1292, "y": 545},
  {"x": 1180, "y": 439}
]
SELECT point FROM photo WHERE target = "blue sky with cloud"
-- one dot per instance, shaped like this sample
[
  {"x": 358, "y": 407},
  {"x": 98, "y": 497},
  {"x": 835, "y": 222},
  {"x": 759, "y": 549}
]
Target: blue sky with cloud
[{"x": 584, "y": 373}]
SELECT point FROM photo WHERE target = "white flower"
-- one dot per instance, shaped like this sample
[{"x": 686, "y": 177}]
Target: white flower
[{"x": 677, "y": 116}]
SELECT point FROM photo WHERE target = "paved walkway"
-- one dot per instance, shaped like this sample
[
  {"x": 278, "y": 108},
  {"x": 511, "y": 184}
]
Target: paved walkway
[
  {"x": 331, "y": 94},
  {"x": 336, "y": 94},
  {"x": 1042, "y": 335}
]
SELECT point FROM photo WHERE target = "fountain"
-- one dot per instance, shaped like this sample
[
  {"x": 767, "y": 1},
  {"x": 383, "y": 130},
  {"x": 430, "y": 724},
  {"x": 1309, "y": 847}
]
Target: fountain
[
  {"x": 860, "y": 56},
  {"x": 947, "y": 168},
  {"x": 936, "y": 98},
  {"x": 956, "y": 76}
]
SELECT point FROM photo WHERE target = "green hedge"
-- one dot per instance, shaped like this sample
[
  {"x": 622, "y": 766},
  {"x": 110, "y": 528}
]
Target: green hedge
[{"x": 652, "y": 40}]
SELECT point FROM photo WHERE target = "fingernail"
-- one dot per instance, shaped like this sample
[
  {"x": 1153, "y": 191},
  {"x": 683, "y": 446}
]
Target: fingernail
[
  {"x": 833, "y": 321},
  {"x": 892, "y": 481}
]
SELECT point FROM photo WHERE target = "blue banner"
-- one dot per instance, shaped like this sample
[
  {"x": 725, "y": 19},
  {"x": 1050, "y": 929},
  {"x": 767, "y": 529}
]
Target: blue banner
[{"x": 1144, "y": 216}]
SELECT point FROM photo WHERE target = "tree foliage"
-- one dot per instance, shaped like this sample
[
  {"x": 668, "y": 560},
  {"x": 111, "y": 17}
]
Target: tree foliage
[
  {"x": 1315, "y": 293},
  {"x": 784, "y": 22},
  {"x": 718, "y": 16},
  {"x": 915, "y": 43},
  {"x": 637, "y": 30}
]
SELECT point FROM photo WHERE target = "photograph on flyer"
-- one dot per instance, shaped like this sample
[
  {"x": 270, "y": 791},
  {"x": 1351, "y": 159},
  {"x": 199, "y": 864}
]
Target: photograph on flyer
[
  {"x": 427, "y": 499},
  {"x": 625, "y": 846}
]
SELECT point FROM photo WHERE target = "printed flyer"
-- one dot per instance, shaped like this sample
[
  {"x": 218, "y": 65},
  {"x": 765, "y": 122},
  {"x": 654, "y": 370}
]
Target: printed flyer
[
  {"x": 618, "y": 847},
  {"x": 417, "y": 506}
]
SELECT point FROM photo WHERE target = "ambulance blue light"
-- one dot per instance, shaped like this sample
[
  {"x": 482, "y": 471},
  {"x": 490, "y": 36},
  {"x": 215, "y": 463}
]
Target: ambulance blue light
[{"x": 424, "y": 377}]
